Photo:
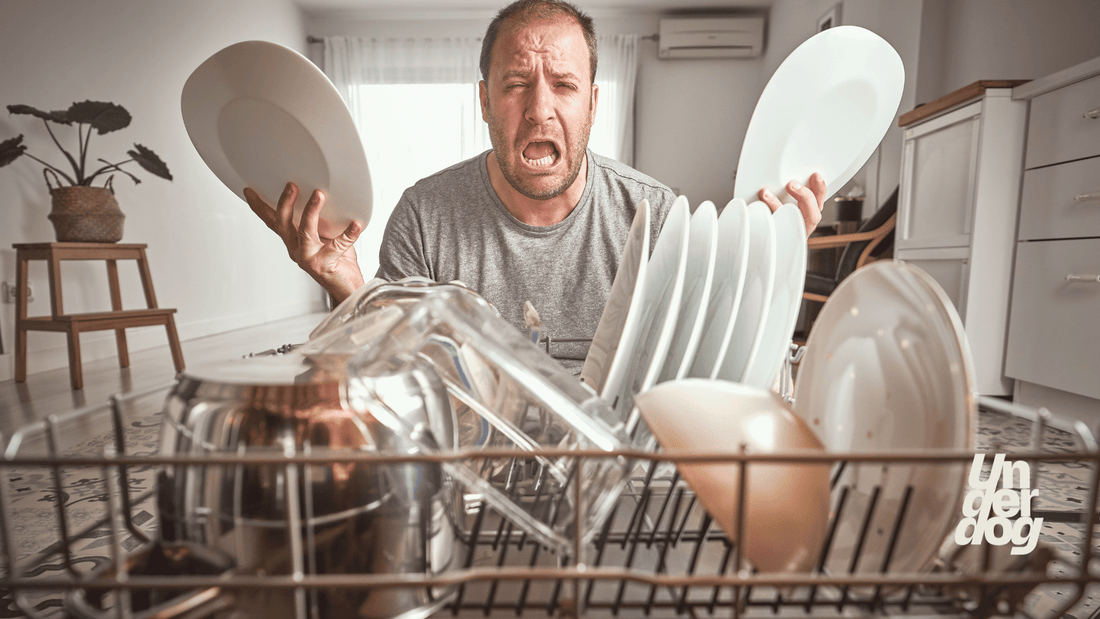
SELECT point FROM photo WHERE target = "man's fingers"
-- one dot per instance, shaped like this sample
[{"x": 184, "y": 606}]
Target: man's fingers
[
  {"x": 311, "y": 216},
  {"x": 341, "y": 243},
  {"x": 808, "y": 203},
  {"x": 261, "y": 208},
  {"x": 284, "y": 215},
  {"x": 767, "y": 197},
  {"x": 817, "y": 185}
]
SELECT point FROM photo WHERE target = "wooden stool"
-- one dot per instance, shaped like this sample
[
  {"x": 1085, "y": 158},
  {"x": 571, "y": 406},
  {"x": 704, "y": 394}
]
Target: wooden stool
[{"x": 73, "y": 325}]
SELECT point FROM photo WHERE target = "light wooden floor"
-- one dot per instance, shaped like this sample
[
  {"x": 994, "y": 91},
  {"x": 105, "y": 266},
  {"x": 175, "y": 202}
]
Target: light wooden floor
[{"x": 48, "y": 393}]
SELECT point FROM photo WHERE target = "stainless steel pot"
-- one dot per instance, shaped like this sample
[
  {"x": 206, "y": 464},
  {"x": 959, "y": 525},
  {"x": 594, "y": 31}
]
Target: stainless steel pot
[{"x": 353, "y": 518}]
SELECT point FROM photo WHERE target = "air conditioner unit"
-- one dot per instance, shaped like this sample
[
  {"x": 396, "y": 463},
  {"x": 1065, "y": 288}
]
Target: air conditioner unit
[{"x": 711, "y": 37}]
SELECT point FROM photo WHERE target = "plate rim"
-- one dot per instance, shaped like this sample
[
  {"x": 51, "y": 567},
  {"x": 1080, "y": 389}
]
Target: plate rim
[
  {"x": 791, "y": 217},
  {"x": 944, "y": 310},
  {"x": 218, "y": 80},
  {"x": 641, "y": 222},
  {"x": 706, "y": 218},
  {"x": 763, "y": 215},
  {"x": 786, "y": 85}
]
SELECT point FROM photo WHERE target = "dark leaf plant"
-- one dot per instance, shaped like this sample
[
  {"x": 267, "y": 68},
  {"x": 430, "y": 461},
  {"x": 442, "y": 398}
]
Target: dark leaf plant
[{"x": 88, "y": 116}]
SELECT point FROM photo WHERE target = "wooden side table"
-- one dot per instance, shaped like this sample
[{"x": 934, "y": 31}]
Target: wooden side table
[{"x": 73, "y": 325}]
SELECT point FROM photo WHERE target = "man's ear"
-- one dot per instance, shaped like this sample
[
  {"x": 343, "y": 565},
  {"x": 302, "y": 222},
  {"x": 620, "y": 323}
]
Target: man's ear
[
  {"x": 595, "y": 98},
  {"x": 483, "y": 95}
]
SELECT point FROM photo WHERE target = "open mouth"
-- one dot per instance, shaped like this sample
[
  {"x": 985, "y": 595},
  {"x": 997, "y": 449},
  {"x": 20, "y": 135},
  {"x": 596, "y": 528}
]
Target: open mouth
[{"x": 541, "y": 154}]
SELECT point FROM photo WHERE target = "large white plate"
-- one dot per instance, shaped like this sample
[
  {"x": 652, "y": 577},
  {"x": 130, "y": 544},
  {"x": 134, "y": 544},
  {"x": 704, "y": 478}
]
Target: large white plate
[
  {"x": 887, "y": 367},
  {"x": 730, "y": 266},
  {"x": 261, "y": 114},
  {"x": 619, "y": 320},
  {"x": 698, "y": 279},
  {"x": 664, "y": 285},
  {"x": 755, "y": 298},
  {"x": 790, "y": 278},
  {"x": 825, "y": 110}
]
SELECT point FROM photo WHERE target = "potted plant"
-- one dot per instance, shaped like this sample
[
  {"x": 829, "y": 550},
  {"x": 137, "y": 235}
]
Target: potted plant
[{"x": 81, "y": 212}]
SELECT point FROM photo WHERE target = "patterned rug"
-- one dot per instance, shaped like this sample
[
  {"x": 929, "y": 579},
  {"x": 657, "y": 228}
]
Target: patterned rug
[{"x": 36, "y": 529}]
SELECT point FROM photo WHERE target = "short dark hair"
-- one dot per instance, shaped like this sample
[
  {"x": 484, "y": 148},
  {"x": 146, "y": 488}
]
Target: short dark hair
[{"x": 524, "y": 12}]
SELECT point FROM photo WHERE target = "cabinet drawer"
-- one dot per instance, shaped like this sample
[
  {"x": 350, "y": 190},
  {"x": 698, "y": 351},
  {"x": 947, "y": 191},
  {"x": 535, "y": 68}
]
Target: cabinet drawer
[
  {"x": 1052, "y": 336},
  {"x": 1061, "y": 201},
  {"x": 1061, "y": 127}
]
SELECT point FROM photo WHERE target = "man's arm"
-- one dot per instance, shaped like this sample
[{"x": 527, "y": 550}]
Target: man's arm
[{"x": 330, "y": 262}]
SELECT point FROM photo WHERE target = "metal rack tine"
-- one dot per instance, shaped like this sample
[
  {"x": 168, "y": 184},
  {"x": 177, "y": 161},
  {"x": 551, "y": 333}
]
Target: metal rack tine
[
  {"x": 868, "y": 516},
  {"x": 471, "y": 551},
  {"x": 55, "y": 470},
  {"x": 828, "y": 544},
  {"x": 123, "y": 596},
  {"x": 120, "y": 447},
  {"x": 894, "y": 535},
  {"x": 502, "y": 555},
  {"x": 664, "y": 507},
  {"x": 667, "y": 542},
  {"x": 704, "y": 529}
]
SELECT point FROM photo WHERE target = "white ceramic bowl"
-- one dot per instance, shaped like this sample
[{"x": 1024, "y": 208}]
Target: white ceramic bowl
[{"x": 787, "y": 505}]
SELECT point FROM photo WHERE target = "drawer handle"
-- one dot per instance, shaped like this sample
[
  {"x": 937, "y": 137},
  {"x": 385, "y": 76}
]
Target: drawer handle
[
  {"x": 1092, "y": 279},
  {"x": 1087, "y": 197},
  {"x": 1093, "y": 115}
]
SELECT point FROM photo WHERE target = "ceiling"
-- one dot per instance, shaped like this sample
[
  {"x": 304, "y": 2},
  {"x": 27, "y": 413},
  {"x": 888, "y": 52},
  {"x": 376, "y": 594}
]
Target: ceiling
[{"x": 435, "y": 8}]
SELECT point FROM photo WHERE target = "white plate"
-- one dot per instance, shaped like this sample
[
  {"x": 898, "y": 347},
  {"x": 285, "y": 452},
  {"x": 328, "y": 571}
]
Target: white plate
[
  {"x": 790, "y": 278},
  {"x": 619, "y": 319},
  {"x": 730, "y": 265},
  {"x": 756, "y": 296},
  {"x": 825, "y": 110},
  {"x": 698, "y": 279},
  {"x": 664, "y": 284},
  {"x": 887, "y": 368},
  {"x": 787, "y": 505},
  {"x": 261, "y": 114}
]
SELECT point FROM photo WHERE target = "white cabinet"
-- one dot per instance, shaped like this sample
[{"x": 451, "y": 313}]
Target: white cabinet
[
  {"x": 1054, "y": 342},
  {"x": 957, "y": 211}
]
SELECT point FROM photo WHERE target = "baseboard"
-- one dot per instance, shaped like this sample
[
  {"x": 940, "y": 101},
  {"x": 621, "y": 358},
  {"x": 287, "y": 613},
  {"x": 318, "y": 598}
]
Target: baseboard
[{"x": 53, "y": 353}]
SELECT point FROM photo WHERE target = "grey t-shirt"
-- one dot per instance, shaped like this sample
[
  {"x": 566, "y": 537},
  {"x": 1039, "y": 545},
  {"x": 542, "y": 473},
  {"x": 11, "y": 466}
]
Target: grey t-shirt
[{"x": 452, "y": 226}]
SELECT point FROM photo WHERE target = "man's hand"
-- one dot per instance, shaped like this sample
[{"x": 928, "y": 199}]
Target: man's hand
[
  {"x": 331, "y": 262},
  {"x": 811, "y": 199}
]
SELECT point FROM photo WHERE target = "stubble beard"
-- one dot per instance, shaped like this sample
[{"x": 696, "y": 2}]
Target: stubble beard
[{"x": 525, "y": 186}]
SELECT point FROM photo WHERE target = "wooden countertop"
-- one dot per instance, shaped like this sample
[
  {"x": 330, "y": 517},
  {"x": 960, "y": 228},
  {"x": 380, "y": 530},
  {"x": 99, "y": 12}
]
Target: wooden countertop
[{"x": 966, "y": 93}]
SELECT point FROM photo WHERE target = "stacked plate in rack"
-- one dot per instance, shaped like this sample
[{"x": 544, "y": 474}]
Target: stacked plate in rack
[
  {"x": 720, "y": 295},
  {"x": 718, "y": 299}
]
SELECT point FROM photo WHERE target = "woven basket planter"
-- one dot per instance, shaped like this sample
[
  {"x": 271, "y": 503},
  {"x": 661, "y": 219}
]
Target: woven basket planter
[{"x": 86, "y": 215}]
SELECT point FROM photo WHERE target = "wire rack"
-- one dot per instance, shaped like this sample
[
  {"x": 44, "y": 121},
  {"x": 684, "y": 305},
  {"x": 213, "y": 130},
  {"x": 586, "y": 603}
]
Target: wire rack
[{"x": 659, "y": 553}]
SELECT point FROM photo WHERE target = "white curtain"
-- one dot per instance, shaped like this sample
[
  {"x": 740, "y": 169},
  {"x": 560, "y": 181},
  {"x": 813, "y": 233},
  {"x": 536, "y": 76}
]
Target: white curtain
[
  {"x": 415, "y": 103},
  {"x": 616, "y": 74}
]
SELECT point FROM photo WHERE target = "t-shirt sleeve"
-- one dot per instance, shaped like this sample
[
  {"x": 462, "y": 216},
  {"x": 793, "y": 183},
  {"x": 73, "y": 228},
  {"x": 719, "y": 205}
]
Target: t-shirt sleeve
[
  {"x": 402, "y": 251},
  {"x": 660, "y": 203}
]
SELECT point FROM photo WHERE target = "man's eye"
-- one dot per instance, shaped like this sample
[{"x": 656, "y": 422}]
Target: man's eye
[{"x": 567, "y": 85}]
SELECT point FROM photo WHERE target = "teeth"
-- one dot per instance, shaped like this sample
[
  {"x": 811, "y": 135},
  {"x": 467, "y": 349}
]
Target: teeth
[{"x": 545, "y": 161}]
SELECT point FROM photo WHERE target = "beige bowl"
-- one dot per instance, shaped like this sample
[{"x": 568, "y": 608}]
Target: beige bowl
[{"x": 786, "y": 505}]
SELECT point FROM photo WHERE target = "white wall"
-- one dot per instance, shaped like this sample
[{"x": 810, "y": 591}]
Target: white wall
[
  {"x": 211, "y": 258},
  {"x": 1016, "y": 39},
  {"x": 690, "y": 117}
]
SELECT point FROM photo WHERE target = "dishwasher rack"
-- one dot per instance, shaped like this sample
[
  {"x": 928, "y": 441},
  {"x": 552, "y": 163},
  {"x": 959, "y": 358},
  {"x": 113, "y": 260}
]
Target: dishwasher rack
[{"x": 659, "y": 553}]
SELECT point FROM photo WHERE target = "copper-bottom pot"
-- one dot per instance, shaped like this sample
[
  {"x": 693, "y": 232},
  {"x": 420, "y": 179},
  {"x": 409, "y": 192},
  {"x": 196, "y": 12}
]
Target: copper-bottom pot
[{"x": 345, "y": 517}]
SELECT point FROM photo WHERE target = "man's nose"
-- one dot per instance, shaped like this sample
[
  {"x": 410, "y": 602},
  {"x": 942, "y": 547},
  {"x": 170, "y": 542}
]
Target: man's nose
[{"x": 540, "y": 106}]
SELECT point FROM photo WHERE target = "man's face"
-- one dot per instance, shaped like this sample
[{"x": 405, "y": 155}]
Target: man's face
[{"x": 539, "y": 103}]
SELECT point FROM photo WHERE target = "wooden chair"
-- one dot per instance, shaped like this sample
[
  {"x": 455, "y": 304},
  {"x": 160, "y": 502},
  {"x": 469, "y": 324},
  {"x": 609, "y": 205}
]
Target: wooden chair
[{"x": 860, "y": 247}]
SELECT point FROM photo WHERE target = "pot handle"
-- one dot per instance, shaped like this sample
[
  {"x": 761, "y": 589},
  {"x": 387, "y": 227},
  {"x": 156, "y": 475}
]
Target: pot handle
[{"x": 46, "y": 175}]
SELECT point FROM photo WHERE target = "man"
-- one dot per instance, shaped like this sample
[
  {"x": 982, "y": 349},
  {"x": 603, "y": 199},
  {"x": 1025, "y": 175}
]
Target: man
[{"x": 539, "y": 217}]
